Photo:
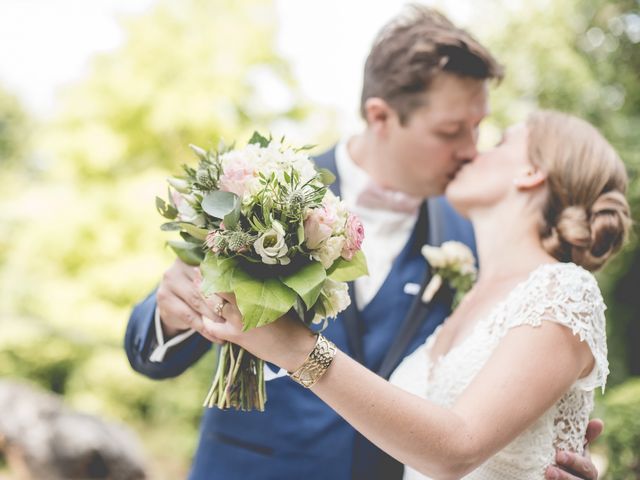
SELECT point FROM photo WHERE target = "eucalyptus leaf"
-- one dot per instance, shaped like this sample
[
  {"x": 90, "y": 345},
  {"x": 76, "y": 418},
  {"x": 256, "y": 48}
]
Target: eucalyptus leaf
[
  {"x": 186, "y": 252},
  {"x": 347, "y": 270},
  {"x": 307, "y": 282},
  {"x": 232, "y": 218},
  {"x": 217, "y": 273},
  {"x": 170, "y": 227},
  {"x": 261, "y": 301},
  {"x": 218, "y": 203}
]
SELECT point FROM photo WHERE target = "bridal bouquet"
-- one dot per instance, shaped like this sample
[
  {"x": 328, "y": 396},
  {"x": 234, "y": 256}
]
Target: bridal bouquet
[{"x": 261, "y": 223}]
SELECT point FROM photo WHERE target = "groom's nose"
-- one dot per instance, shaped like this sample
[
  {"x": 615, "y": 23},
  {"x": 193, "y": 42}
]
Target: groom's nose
[{"x": 467, "y": 151}]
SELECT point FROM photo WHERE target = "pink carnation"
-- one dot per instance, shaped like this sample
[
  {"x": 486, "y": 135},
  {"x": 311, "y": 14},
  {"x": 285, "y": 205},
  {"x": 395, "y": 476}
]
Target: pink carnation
[
  {"x": 236, "y": 177},
  {"x": 318, "y": 226},
  {"x": 354, "y": 232}
]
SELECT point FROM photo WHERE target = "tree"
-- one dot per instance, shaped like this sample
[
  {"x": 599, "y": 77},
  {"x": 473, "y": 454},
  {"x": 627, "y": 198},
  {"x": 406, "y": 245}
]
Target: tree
[
  {"x": 14, "y": 130},
  {"x": 81, "y": 242}
]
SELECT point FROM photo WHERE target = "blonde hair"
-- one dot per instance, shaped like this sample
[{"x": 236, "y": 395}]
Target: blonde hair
[{"x": 586, "y": 216}]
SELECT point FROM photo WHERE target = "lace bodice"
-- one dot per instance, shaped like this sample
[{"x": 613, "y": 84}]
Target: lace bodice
[{"x": 561, "y": 292}]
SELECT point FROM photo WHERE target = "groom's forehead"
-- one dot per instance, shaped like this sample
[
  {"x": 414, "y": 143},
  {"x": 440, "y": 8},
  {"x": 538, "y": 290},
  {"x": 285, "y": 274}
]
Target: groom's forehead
[
  {"x": 458, "y": 114},
  {"x": 457, "y": 101}
]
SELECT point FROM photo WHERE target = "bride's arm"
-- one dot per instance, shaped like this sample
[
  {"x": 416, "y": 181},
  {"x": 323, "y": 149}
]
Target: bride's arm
[{"x": 528, "y": 372}]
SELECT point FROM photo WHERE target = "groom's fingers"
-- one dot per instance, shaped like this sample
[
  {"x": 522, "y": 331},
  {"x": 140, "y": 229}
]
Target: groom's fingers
[
  {"x": 572, "y": 467},
  {"x": 594, "y": 430}
]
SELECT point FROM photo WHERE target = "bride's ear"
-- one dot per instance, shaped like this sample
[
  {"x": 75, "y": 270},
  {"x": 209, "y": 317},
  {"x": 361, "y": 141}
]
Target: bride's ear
[{"x": 530, "y": 179}]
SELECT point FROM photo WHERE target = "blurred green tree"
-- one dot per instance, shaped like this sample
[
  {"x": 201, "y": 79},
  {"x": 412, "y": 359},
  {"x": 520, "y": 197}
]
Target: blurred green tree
[
  {"x": 81, "y": 242},
  {"x": 15, "y": 128}
]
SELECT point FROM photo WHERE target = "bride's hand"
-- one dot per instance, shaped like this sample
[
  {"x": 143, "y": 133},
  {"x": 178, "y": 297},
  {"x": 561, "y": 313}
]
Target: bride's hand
[{"x": 285, "y": 342}]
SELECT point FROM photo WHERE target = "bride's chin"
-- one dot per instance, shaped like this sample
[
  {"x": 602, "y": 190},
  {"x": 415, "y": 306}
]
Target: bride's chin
[{"x": 460, "y": 203}]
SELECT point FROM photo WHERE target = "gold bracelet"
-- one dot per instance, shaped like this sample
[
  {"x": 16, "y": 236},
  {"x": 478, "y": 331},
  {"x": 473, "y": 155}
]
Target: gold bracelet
[{"x": 316, "y": 363}]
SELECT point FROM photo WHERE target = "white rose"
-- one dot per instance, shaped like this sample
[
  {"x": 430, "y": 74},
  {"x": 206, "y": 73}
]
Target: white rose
[
  {"x": 457, "y": 254},
  {"x": 271, "y": 246},
  {"x": 434, "y": 255},
  {"x": 337, "y": 207},
  {"x": 334, "y": 298},
  {"x": 329, "y": 251}
]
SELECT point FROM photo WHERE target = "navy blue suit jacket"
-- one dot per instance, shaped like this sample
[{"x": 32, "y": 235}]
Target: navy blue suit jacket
[{"x": 298, "y": 436}]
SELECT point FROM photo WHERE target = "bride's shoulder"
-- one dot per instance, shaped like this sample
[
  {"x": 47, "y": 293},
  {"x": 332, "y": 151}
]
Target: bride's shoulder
[
  {"x": 565, "y": 278},
  {"x": 563, "y": 289}
]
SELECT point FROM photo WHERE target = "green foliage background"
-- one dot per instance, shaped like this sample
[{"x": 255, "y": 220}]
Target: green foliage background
[{"x": 79, "y": 236}]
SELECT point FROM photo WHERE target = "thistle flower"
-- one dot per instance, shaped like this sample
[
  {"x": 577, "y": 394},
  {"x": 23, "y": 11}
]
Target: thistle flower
[
  {"x": 215, "y": 241},
  {"x": 238, "y": 241}
]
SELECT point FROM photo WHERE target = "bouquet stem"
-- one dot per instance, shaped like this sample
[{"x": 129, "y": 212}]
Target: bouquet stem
[{"x": 238, "y": 382}]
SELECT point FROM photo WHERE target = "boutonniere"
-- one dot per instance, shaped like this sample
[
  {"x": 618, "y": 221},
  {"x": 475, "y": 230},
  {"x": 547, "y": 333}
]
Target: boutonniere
[{"x": 452, "y": 262}]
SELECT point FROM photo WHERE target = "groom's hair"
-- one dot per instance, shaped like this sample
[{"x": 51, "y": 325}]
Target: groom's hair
[{"x": 411, "y": 50}]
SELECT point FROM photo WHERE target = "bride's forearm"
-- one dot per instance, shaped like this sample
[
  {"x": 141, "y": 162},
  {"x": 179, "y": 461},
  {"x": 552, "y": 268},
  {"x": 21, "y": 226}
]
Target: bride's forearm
[{"x": 432, "y": 439}]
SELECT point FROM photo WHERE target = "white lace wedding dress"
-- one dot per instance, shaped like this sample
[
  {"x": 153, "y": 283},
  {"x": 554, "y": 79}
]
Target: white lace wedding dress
[{"x": 564, "y": 293}]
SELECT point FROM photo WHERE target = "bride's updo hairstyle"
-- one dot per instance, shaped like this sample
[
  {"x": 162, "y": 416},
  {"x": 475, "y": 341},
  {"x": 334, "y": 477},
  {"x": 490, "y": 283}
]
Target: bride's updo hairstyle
[{"x": 586, "y": 215}]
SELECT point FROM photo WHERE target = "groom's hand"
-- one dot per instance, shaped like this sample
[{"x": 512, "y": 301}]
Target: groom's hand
[
  {"x": 179, "y": 302},
  {"x": 574, "y": 466}
]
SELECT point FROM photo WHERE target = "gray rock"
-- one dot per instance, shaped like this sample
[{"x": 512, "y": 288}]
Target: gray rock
[{"x": 45, "y": 440}]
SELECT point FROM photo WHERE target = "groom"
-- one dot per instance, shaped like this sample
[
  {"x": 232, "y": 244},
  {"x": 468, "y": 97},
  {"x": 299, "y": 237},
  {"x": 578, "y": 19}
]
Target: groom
[{"x": 424, "y": 95}]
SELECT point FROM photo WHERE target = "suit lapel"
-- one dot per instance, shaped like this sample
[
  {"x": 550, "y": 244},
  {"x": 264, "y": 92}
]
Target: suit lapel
[{"x": 418, "y": 310}]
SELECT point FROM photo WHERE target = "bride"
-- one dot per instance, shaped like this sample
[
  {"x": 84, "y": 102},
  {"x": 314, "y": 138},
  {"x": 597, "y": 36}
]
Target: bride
[{"x": 509, "y": 377}]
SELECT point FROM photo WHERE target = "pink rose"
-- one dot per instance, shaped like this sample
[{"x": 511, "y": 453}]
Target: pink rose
[
  {"x": 318, "y": 226},
  {"x": 354, "y": 232},
  {"x": 236, "y": 176}
]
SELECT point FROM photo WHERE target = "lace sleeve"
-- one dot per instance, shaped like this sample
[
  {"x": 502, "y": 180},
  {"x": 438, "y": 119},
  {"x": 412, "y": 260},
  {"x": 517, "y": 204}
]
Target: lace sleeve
[{"x": 569, "y": 295}]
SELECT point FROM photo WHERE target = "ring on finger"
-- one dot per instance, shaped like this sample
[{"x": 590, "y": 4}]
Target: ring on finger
[{"x": 218, "y": 308}]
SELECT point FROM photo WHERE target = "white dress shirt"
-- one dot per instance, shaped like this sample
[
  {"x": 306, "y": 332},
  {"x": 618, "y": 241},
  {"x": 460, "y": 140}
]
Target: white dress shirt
[{"x": 385, "y": 234}]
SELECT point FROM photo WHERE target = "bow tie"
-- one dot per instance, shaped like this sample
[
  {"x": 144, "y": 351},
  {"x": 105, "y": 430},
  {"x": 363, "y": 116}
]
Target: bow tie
[{"x": 378, "y": 198}]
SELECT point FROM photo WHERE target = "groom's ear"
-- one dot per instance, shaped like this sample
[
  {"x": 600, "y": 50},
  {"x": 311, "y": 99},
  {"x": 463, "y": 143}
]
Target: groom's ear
[
  {"x": 530, "y": 179},
  {"x": 377, "y": 114}
]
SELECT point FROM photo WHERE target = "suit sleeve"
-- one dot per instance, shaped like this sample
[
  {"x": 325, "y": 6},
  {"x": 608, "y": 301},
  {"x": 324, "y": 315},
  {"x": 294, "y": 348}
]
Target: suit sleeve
[{"x": 139, "y": 342}]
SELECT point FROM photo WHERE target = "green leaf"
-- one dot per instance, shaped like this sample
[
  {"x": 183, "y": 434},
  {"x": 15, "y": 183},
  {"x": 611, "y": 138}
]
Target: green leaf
[
  {"x": 346, "y": 271},
  {"x": 232, "y": 218},
  {"x": 307, "y": 282},
  {"x": 217, "y": 273},
  {"x": 170, "y": 227},
  {"x": 259, "y": 139},
  {"x": 218, "y": 204},
  {"x": 326, "y": 177},
  {"x": 196, "y": 232},
  {"x": 186, "y": 252},
  {"x": 189, "y": 239},
  {"x": 300, "y": 232},
  {"x": 190, "y": 228},
  {"x": 306, "y": 147},
  {"x": 166, "y": 210},
  {"x": 261, "y": 301}
]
